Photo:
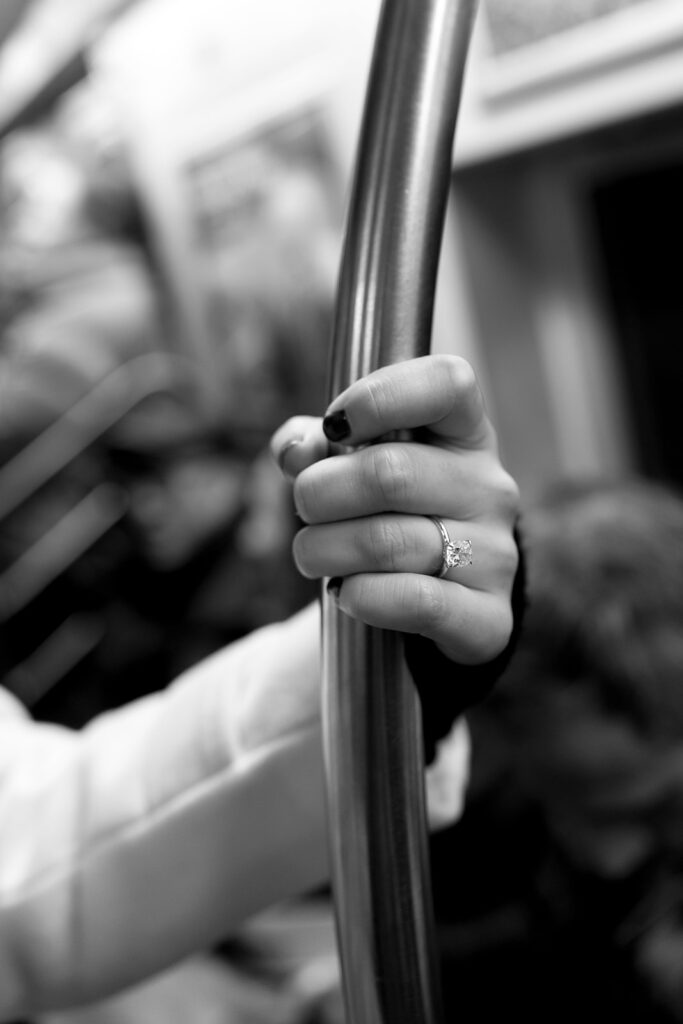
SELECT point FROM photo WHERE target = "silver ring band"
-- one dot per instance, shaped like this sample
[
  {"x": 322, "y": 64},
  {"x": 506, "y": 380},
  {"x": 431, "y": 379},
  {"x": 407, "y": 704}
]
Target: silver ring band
[{"x": 454, "y": 553}]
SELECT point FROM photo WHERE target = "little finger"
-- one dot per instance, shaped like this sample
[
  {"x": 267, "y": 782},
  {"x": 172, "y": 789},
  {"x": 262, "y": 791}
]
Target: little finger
[{"x": 469, "y": 626}]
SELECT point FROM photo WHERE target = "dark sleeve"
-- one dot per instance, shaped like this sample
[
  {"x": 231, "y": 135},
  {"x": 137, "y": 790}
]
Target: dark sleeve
[{"x": 447, "y": 689}]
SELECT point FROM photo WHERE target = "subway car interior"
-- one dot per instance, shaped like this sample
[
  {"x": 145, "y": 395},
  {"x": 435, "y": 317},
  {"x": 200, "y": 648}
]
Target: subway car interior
[{"x": 174, "y": 186}]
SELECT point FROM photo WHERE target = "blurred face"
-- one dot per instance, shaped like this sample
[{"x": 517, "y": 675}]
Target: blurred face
[{"x": 177, "y": 510}]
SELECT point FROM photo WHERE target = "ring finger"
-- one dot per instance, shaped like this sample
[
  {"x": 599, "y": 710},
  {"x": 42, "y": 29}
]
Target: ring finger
[{"x": 391, "y": 542}]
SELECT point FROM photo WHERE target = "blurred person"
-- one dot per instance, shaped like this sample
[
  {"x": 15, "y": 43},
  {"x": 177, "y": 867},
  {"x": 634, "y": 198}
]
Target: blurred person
[
  {"x": 210, "y": 526},
  {"x": 163, "y": 540},
  {"x": 160, "y": 827},
  {"x": 563, "y": 880}
]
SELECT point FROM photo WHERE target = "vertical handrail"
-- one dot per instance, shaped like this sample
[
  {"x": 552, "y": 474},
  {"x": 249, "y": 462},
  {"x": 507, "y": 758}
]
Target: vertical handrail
[{"x": 372, "y": 734}]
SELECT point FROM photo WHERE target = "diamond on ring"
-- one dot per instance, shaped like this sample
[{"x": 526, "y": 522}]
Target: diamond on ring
[{"x": 454, "y": 553}]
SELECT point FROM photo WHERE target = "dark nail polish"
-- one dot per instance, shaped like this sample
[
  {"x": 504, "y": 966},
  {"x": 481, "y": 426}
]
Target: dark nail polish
[
  {"x": 334, "y": 585},
  {"x": 336, "y": 426}
]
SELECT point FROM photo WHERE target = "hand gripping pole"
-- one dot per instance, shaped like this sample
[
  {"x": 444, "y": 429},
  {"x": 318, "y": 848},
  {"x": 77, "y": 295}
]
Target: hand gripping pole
[{"x": 371, "y": 724}]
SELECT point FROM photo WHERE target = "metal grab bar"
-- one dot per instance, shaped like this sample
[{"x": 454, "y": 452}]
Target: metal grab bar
[{"x": 371, "y": 726}]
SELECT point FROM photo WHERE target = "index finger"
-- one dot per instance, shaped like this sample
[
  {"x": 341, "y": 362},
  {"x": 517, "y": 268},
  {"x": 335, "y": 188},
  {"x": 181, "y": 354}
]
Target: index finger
[{"x": 439, "y": 392}]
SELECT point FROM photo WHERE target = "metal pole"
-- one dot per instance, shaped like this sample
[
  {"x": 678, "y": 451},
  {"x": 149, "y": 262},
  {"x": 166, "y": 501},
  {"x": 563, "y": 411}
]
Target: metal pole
[{"x": 372, "y": 734}]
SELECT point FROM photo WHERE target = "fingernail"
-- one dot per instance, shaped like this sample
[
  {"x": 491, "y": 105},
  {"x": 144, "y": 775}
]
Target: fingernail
[
  {"x": 334, "y": 585},
  {"x": 336, "y": 426},
  {"x": 284, "y": 452}
]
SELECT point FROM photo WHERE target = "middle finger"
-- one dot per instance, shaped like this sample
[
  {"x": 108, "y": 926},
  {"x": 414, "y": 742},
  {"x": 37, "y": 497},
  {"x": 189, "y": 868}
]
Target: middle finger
[{"x": 394, "y": 477}]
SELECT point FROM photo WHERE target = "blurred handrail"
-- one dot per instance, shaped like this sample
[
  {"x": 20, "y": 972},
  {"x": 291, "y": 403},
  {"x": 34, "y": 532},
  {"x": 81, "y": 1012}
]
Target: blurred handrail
[
  {"x": 371, "y": 722},
  {"x": 72, "y": 433},
  {"x": 51, "y": 659},
  {"x": 57, "y": 549}
]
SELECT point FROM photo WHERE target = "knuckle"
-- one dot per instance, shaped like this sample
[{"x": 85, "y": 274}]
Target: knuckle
[
  {"x": 504, "y": 555},
  {"x": 499, "y": 495},
  {"x": 392, "y": 475},
  {"x": 381, "y": 394},
  {"x": 427, "y": 605},
  {"x": 509, "y": 559},
  {"x": 386, "y": 543},
  {"x": 492, "y": 641},
  {"x": 509, "y": 494}
]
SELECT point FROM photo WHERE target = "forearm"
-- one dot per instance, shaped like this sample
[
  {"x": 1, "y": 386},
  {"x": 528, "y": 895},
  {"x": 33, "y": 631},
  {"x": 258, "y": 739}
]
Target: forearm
[
  {"x": 147, "y": 896},
  {"x": 147, "y": 837}
]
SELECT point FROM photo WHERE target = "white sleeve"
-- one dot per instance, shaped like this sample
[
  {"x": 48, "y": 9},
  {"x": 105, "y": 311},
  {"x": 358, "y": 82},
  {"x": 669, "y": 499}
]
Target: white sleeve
[{"x": 152, "y": 832}]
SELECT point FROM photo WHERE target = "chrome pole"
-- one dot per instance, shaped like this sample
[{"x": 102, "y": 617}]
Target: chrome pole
[{"x": 372, "y": 732}]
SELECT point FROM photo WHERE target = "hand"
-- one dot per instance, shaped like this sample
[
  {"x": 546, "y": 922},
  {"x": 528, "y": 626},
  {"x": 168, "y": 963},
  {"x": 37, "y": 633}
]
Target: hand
[{"x": 367, "y": 510}]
